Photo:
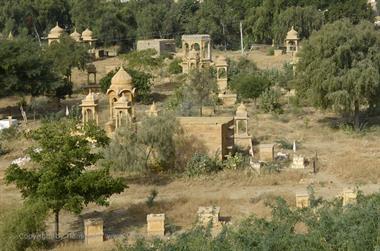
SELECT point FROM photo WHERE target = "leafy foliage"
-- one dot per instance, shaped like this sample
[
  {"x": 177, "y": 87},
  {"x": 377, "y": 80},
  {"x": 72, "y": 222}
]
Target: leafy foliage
[
  {"x": 23, "y": 227},
  {"x": 339, "y": 68},
  {"x": 329, "y": 226},
  {"x": 60, "y": 178},
  {"x": 270, "y": 101},
  {"x": 175, "y": 66},
  {"x": 149, "y": 148},
  {"x": 201, "y": 164}
]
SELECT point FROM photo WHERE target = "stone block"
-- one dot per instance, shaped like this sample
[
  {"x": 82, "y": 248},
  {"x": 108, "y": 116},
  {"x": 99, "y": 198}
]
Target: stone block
[
  {"x": 156, "y": 224},
  {"x": 208, "y": 214},
  {"x": 349, "y": 197},
  {"x": 298, "y": 162},
  {"x": 302, "y": 200},
  {"x": 278, "y": 53},
  {"x": 266, "y": 152},
  {"x": 228, "y": 100},
  {"x": 93, "y": 231}
]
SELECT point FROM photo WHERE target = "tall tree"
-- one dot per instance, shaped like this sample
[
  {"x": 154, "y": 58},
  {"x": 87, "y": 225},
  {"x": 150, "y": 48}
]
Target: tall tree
[
  {"x": 60, "y": 179},
  {"x": 25, "y": 70},
  {"x": 339, "y": 67}
]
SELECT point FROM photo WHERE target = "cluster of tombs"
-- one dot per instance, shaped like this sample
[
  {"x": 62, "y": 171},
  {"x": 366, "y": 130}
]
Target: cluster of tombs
[
  {"x": 206, "y": 217},
  {"x": 217, "y": 134}
]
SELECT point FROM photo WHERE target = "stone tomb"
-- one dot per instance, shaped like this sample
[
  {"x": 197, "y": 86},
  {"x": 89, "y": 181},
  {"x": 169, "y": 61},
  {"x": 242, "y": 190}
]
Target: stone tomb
[
  {"x": 349, "y": 197},
  {"x": 93, "y": 231},
  {"x": 156, "y": 224},
  {"x": 302, "y": 200},
  {"x": 298, "y": 162},
  {"x": 266, "y": 152},
  {"x": 207, "y": 214}
]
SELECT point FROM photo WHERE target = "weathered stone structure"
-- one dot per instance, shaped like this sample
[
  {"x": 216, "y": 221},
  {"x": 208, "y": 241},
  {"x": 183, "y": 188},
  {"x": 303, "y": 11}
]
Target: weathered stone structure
[
  {"x": 302, "y": 200},
  {"x": 55, "y": 34},
  {"x": 93, "y": 231},
  {"x": 292, "y": 41},
  {"x": 349, "y": 197},
  {"x": 207, "y": 215},
  {"x": 162, "y": 46},
  {"x": 197, "y": 52},
  {"x": 228, "y": 99},
  {"x": 121, "y": 95},
  {"x": 89, "y": 108},
  {"x": 298, "y": 162},
  {"x": 216, "y": 134},
  {"x": 266, "y": 152},
  {"x": 241, "y": 137},
  {"x": 76, "y": 36},
  {"x": 156, "y": 224}
]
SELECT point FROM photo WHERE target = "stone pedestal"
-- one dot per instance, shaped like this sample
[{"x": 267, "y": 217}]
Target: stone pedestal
[
  {"x": 93, "y": 231},
  {"x": 208, "y": 214},
  {"x": 156, "y": 224},
  {"x": 228, "y": 100},
  {"x": 243, "y": 141},
  {"x": 298, "y": 162},
  {"x": 302, "y": 200},
  {"x": 278, "y": 53},
  {"x": 349, "y": 197},
  {"x": 266, "y": 152}
]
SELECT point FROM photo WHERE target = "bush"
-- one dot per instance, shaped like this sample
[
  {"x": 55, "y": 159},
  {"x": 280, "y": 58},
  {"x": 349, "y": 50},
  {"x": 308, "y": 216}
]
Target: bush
[
  {"x": 235, "y": 162},
  {"x": 250, "y": 86},
  {"x": 3, "y": 150},
  {"x": 175, "y": 66},
  {"x": 201, "y": 164},
  {"x": 270, "y": 51},
  {"x": 152, "y": 196},
  {"x": 18, "y": 228},
  {"x": 9, "y": 133},
  {"x": 270, "y": 101}
]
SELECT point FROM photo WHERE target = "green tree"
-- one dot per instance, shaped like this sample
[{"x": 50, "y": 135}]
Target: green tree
[
  {"x": 201, "y": 88},
  {"x": 62, "y": 154},
  {"x": 145, "y": 60},
  {"x": 339, "y": 68},
  {"x": 25, "y": 70},
  {"x": 250, "y": 86}
]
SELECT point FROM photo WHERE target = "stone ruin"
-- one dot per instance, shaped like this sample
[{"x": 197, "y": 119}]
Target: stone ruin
[
  {"x": 298, "y": 162},
  {"x": 266, "y": 152},
  {"x": 349, "y": 197},
  {"x": 156, "y": 224},
  {"x": 210, "y": 215},
  {"x": 302, "y": 200},
  {"x": 93, "y": 231},
  {"x": 292, "y": 41}
]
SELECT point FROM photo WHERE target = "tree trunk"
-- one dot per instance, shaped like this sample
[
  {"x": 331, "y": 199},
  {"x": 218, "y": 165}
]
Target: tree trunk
[
  {"x": 56, "y": 227},
  {"x": 357, "y": 116}
]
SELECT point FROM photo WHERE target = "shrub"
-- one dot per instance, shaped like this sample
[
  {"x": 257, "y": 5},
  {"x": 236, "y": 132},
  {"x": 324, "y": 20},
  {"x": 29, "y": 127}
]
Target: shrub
[
  {"x": 3, "y": 150},
  {"x": 175, "y": 66},
  {"x": 235, "y": 162},
  {"x": 152, "y": 196},
  {"x": 201, "y": 164},
  {"x": 270, "y": 101},
  {"x": 250, "y": 85},
  {"x": 270, "y": 51},
  {"x": 9, "y": 133}
]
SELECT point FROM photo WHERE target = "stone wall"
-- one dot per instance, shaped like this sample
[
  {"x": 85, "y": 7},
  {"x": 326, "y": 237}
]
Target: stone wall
[
  {"x": 160, "y": 45},
  {"x": 216, "y": 134}
]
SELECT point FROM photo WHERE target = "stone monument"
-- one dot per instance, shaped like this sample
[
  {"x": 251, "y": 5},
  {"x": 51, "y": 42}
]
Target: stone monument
[
  {"x": 93, "y": 231},
  {"x": 156, "y": 224}
]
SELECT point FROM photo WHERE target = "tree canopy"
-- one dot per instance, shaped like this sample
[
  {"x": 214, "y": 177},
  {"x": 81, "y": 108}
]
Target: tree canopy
[
  {"x": 339, "y": 67},
  {"x": 63, "y": 152},
  {"x": 123, "y": 23}
]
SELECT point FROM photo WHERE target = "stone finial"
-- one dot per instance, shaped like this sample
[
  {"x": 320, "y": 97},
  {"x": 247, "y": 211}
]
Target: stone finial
[
  {"x": 153, "y": 111},
  {"x": 242, "y": 111}
]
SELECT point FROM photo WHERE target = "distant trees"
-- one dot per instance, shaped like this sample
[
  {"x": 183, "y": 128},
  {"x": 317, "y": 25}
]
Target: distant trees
[
  {"x": 339, "y": 68},
  {"x": 122, "y": 23},
  {"x": 60, "y": 180}
]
